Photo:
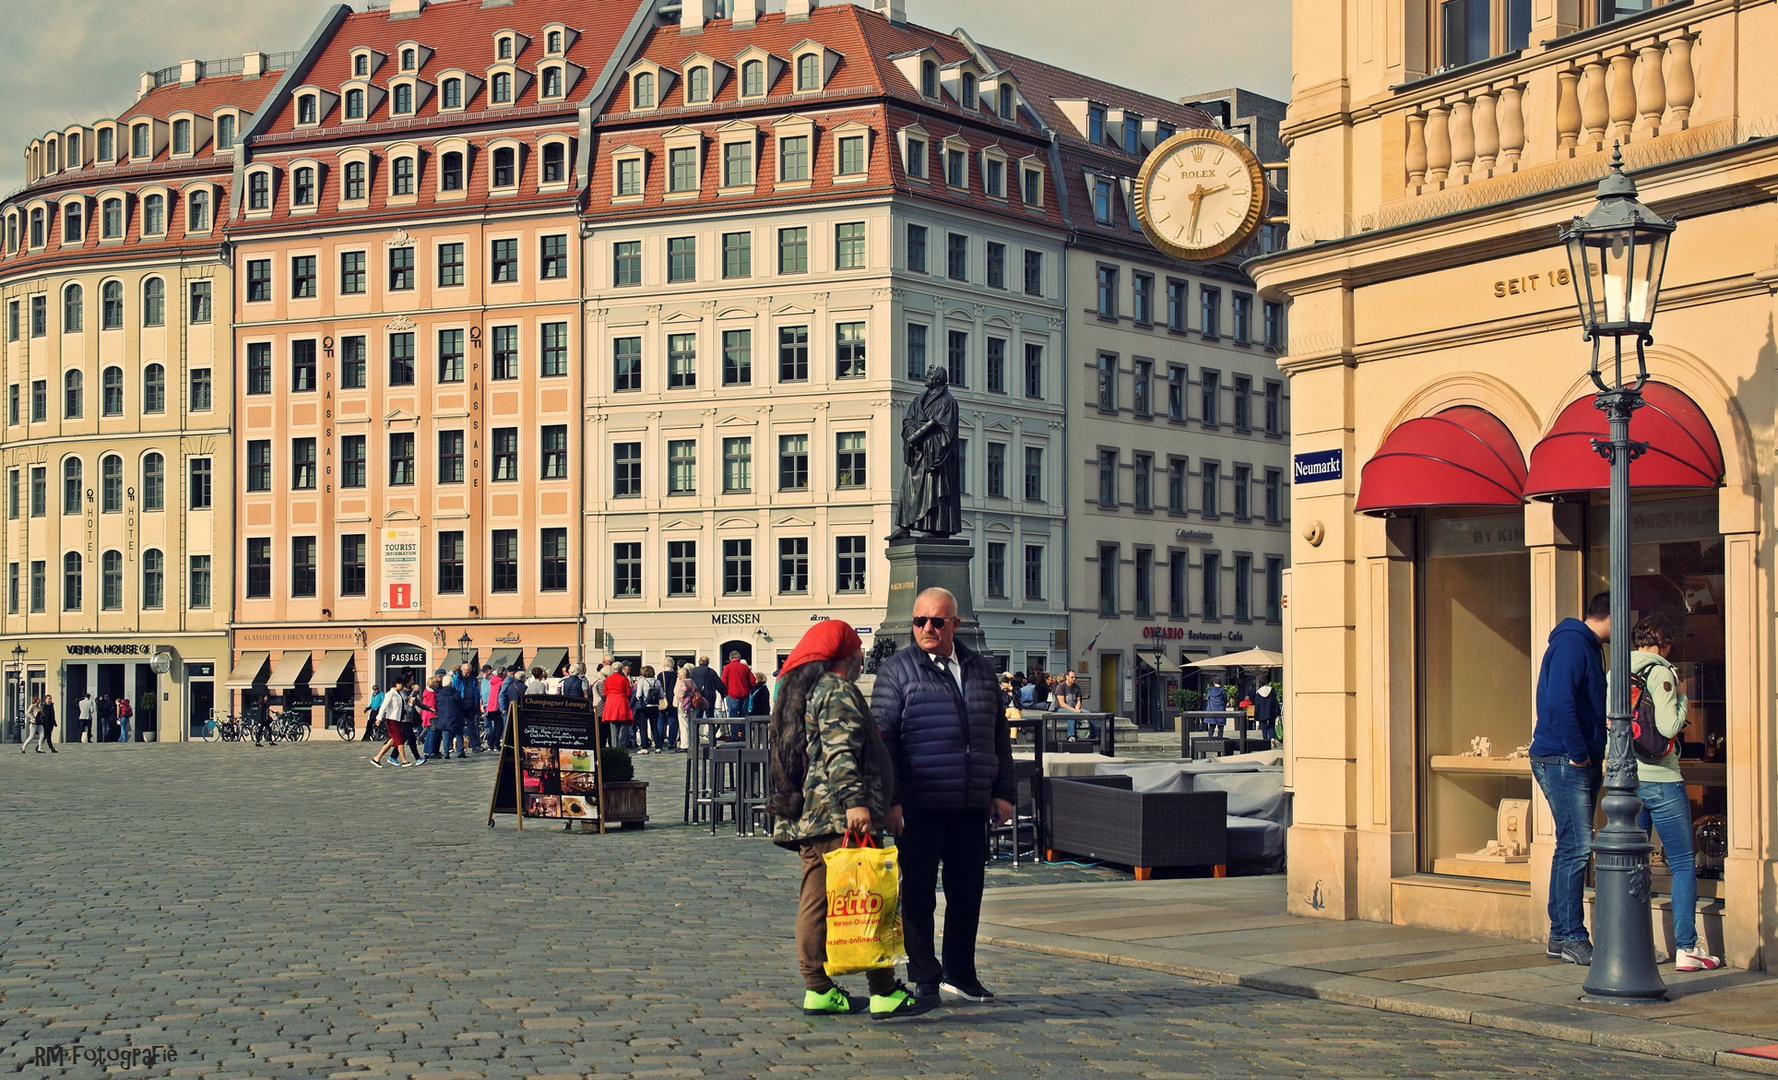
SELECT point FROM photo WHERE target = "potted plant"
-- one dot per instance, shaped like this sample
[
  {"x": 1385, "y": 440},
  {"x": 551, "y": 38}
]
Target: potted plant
[
  {"x": 626, "y": 798},
  {"x": 147, "y": 723},
  {"x": 1184, "y": 700}
]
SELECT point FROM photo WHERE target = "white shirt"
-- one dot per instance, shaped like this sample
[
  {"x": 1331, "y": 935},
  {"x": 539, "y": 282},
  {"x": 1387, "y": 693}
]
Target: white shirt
[{"x": 951, "y": 665}]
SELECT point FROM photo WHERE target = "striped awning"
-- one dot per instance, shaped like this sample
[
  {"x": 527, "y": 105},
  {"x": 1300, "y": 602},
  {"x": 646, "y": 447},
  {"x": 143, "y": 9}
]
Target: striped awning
[
  {"x": 249, "y": 669},
  {"x": 289, "y": 673},
  {"x": 332, "y": 666}
]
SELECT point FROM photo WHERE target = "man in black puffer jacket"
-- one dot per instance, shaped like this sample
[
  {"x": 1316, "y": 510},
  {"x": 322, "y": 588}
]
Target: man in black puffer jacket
[{"x": 938, "y": 706}]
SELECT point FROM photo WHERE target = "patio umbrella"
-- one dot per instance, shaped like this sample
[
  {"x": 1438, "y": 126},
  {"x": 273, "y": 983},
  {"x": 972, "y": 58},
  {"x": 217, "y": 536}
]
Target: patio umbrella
[{"x": 1250, "y": 658}]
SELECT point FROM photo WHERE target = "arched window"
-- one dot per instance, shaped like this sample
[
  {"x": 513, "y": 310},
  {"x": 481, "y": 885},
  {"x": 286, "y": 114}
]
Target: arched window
[
  {"x": 555, "y": 163},
  {"x": 197, "y": 212},
  {"x": 73, "y": 310},
  {"x": 452, "y": 175},
  {"x": 37, "y": 233},
  {"x": 71, "y": 582},
  {"x": 259, "y": 191},
  {"x": 753, "y": 78},
  {"x": 154, "y": 576},
  {"x": 360, "y": 65},
  {"x": 453, "y": 93},
  {"x": 404, "y": 99},
  {"x": 697, "y": 84},
  {"x": 50, "y": 157},
  {"x": 308, "y": 109},
  {"x": 71, "y": 224},
  {"x": 154, "y": 482},
  {"x": 74, "y": 159},
  {"x": 154, "y": 302},
  {"x": 928, "y": 78},
  {"x": 502, "y": 88},
  {"x": 107, "y": 144},
  {"x": 225, "y": 131},
  {"x": 354, "y": 180},
  {"x": 111, "y": 581},
  {"x": 112, "y": 296},
  {"x": 354, "y": 104},
  {"x": 154, "y": 389},
  {"x": 182, "y": 136},
  {"x": 968, "y": 90},
  {"x": 503, "y": 50},
  {"x": 302, "y": 191},
  {"x": 506, "y": 174},
  {"x": 554, "y": 43},
  {"x": 154, "y": 215},
  {"x": 408, "y": 58},
  {"x": 552, "y": 82},
  {"x": 404, "y": 176},
  {"x": 643, "y": 96},
  {"x": 73, "y": 400},
  {"x": 111, "y": 219},
  {"x": 12, "y": 233},
  {"x": 808, "y": 72},
  {"x": 111, "y": 395},
  {"x": 111, "y": 484},
  {"x": 71, "y": 483}
]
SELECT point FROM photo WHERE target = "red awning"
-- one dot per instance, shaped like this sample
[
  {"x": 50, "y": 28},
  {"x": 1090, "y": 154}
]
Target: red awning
[
  {"x": 1460, "y": 457},
  {"x": 1682, "y": 447}
]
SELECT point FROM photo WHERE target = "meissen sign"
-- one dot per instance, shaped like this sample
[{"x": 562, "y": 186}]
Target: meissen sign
[{"x": 1319, "y": 465}]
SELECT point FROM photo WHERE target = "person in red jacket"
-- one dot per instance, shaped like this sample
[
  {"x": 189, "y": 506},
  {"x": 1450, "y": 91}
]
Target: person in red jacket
[
  {"x": 617, "y": 706},
  {"x": 737, "y": 684}
]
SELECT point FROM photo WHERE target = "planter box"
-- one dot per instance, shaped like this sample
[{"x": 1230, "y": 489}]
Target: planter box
[{"x": 626, "y": 803}]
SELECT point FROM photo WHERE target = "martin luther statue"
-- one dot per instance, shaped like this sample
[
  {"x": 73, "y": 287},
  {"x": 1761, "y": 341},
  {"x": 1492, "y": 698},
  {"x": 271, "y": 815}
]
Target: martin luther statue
[{"x": 932, "y": 490}]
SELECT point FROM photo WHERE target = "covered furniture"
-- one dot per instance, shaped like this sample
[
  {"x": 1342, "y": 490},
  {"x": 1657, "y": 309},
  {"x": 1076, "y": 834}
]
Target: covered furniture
[{"x": 1104, "y": 817}]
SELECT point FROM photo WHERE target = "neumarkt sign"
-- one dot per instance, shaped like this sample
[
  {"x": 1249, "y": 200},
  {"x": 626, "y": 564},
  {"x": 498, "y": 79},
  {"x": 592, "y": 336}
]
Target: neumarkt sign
[{"x": 1319, "y": 465}]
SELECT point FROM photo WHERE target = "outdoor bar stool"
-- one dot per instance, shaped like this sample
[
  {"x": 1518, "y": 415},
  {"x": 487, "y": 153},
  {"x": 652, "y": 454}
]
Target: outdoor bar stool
[
  {"x": 727, "y": 784},
  {"x": 755, "y": 785},
  {"x": 698, "y": 770}
]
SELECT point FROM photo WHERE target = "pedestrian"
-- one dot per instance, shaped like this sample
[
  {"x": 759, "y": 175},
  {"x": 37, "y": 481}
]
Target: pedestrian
[
  {"x": 1042, "y": 691},
  {"x": 391, "y": 712},
  {"x": 538, "y": 683},
  {"x": 759, "y": 702},
  {"x": 370, "y": 711},
  {"x": 737, "y": 684},
  {"x": 939, "y": 710},
  {"x": 1068, "y": 701},
  {"x": 87, "y": 711},
  {"x": 1566, "y": 747},
  {"x": 1216, "y": 699},
  {"x": 1665, "y": 807},
  {"x": 262, "y": 723},
  {"x": 617, "y": 707},
  {"x": 491, "y": 715},
  {"x": 432, "y": 731},
  {"x": 685, "y": 704},
  {"x": 645, "y": 706},
  {"x": 574, "y": 685},
  {"x": 709, "y": 685},
  {"x": 830, "y": 776},
  {"x": 124, "y": 713},
  {"x": 43, "y": 718},
  {"x": 512, "y": 689},
  {"x": 1266, "y": 710},
  {"x": 466, "y": 721}
]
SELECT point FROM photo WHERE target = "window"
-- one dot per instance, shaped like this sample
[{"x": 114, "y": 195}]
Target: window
[
  {"x": 73, "y": 309},
  {"x": 1107, "y": 296},
  {"x": 682, "y": 466},
  {"x": 1108, "y": 575},
  {"x": 1469, "y": 26},
  {"x": 1210, "y": 307},
  {"x": 994, "y": 178},
  {"x": 682, "y": 567},
  {"x": 793, "y": 463},
  {"x": 1274, "y": 496},
  {"x": 352, "y": 273},
  {"x": 154, "y": 575},
  {"x": 996, "y": 365},
  {"x": 626, "y": 262},
  {"x": 849, "y": 246},
  {"x": 401, "y": 269},
  {"x": 916, "y": 352},
  {"x": 737, "y": 465},
  {"x": 110, "y": 223},
  {"x": 73, "y": 395},
  {"x": 1143, "y": 495},
  {"x": 626, "y": 569},
  {"x": 451, "y": 171},
  {"x": 450, "y": 562},
  {"x": 506, "y": 353},
  {"x": 996, "y": 571},
  {"x": 39, "y": 491},
  {"x": 643, "y": 91},
  {"x": 111, "y": 484},
  {"x": 1210, "y": 397},
  {"x": 154, "y": 302},
  {"x": 501, "y": 94},
  {"x": 808, "y": 72},
  {"x": 957, "y": 357},
  {"x": 401, "y": 359},
  {"x": 1243, "y": 402},
  {"x": 1102, "y": 191},
  {"x": 504, "y": 259},
  {"x": 12, "y": 404},
  {"x": 737, "y": 567},
  {"x": 1243, "y": 491},
  {"x": 552, "y": 565},
  {"x": 850, "y": 463},
  {"x": 916, "y": 158},
  {"x": 957, "y": 256},
  {"x": 259, "y": 464},
  {"x": 1212, "y": 586},
  {"x": 108, "y": 145},
  {"x": 1143, "y": 385},
  {"x": 72, "y": 474},
  {"x": 1176, "y": 379},
  {"x": 401, "y": 458},
  {"x": 626, "y": 363},
  {"x": 453, "y": 93},
  {"x": 997, "y": 470},
  {"x": 956, "y": 168},
  {"x": 354, "y": 104},
  {"x": 37, "y": 236},
  {"x": 72, "y": 582},
  {"x": 302, "y": 464},
  {"x": 697, "y": 84},
  {"x": 505, "y": 172},
  {"x": 303, "y": 557},
  {"x": 404, "y": 101},
  {"x": 402, "y": 177},
  {"x": 554, "y": 359},
  {"x": 1008, "y": 103},
  {"x": 553, "y": 256},
  {"x": 355, "y": 188},
  {"x": 682, "y": 169},
  {"x": 793, "y": 354},
  {"x": 450, "y": 266},
  {"x": 1210, "y": 483},
  {"x": 450, "y": 356},
  {"x": 916, "y": 252},
  {"x": 352, "y": 557},
  {"x": 506, "y": 454},
  {"x": 1243, "y": 318},
  {"x": 1033, "y": 273},
  {"x": 450, "y": 456},
  {"x": 1106, "y": 383},
  {"x": 1274, "y": 325},
  {"x": 753, "y": 78},
  {"x": 852, "y": 161},
  {"x": 1274, "y": 407},
  {"x": 259, "y": 191},
  {"x": 552, "y": 88},
  {"x": 504, "y": 576},
  {"x": 1274, "y": 589},
  {"x": 1176, "y": 485},
  {"x": 200, "y": 390},
  {"x": 793, "y": 564},
  {"x": 1034, "y": 371},
  {"x": 1177, "y": 570},
  {"x": 308, "y": 109},
  {"x": 200, "y": 581},
  {"x": 71, "y": 224},
  {"x": 1243, "y": 587},
  {"x": 682, "y": 258},
  {"x": 1142, "y": 298},
  {"x": 793, "y": 251},
  {"x": 199, "y": 484},
  {"x": 1108, "y": 465},
  {"x": 1033, "y": 474},
  {"x": 225, "y": 132},
  {"x": 737, "y": 255},
  {"x": 353, "y": 363},
  {"x": 1033, "y": 572},
  {"x": 682, "y": 361},
  {"x": 737, "y": 357},
  {"x": 353, "y": 461},
  {"x": 39, "y": 315},
  {"x": 626, "y": 468},
  {"x": 996, "y": 265}
]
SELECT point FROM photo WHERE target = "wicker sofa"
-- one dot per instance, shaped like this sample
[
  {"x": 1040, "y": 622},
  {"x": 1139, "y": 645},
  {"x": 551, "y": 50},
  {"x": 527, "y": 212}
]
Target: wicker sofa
[{"x": 1103, "y": 817}]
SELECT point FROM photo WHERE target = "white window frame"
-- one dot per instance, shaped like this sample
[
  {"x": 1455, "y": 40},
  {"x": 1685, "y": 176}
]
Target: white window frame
[
  {"x": 357, "y": 154},
  {"x": 774, "y": 67},
  {"x": 958, "y": 143},
  {"x": 567, "y": 145},
  {"x": 209, "y": 189},
  {"x": 719, "y": 76},
  {"x": 682, "y": 138},
  {"x": 730, "y": 134},
  {"x": 629, "y": 152},
  {"x": 849, "y": 130},
  {"x": 321, "y": 172},
  {"x": 454, "y": 144},
  {"x": 472, "y": 85},
  {"x": 166, "y": 194},
  {"x": 915, "y": 131},
  {"x": 271, "y": 202},
  {"x": 826, "y": 64},
  {"x": 793, "y": 127},
  {"x": 518, "y": 167},
  {"x": 996, "y": 153},
  {"x": 1031, "y": 163},
  {"x": 401, "y": 150}
]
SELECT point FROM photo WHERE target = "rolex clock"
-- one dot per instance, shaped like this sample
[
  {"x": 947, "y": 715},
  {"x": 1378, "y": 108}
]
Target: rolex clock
[{"x": 1200, "y": 195}]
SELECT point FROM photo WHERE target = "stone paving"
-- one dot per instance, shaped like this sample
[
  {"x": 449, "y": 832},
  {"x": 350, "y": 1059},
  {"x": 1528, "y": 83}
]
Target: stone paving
[{"x": 295, "y": 912}]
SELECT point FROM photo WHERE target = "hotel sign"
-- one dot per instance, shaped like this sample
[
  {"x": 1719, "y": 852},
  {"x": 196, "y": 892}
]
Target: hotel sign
[{"x": 1319, "y": 465}]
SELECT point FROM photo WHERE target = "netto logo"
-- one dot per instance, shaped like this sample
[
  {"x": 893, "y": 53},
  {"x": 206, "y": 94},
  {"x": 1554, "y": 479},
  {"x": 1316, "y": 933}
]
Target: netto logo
[{"x": 855, "y": 903}]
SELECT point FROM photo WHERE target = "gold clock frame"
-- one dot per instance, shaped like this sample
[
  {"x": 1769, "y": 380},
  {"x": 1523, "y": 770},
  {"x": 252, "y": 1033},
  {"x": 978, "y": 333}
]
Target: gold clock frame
[{"x": 1257, "y": 204}]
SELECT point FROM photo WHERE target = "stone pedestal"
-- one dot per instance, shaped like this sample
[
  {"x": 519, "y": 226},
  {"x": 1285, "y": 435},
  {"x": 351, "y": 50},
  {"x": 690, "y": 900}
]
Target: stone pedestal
[{"x": 919, "y": 564}]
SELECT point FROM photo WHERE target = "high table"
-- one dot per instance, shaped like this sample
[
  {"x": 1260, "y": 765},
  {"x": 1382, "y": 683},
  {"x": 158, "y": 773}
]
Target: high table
[{"x": 700, "y": 775}]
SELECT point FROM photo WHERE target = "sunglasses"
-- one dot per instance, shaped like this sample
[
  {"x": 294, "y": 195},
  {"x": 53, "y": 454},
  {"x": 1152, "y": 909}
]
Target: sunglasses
[{"x": 938, "y": 621}]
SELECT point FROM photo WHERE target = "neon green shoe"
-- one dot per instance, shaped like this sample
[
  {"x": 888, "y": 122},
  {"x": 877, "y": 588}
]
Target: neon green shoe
[
  {"x": 898, "y": 1002},
  {"x": 834, "y": 1002}
]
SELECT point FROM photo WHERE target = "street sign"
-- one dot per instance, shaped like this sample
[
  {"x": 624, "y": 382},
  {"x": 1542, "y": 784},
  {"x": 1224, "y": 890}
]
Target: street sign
[{"x": 1318, "y": 465}]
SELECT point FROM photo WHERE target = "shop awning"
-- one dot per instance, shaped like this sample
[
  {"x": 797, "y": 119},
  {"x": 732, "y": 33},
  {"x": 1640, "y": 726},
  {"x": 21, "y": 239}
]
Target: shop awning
[
  {"x": 1682, "y": 447},
  {"x": 505, "y": 658},
  {"x": 1460, "y": 457},
  {"x": 290, "y": 670},
  {"x": 249, "y": 669},
  {"x": 549, "y": 660},
  {"x": 332, "y": 666}
]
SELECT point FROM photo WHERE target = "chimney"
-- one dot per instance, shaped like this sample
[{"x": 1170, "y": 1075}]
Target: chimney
[
  {"x": 746, "y": 13},
  {"x": 896, "y": 11},
  {"x": 253, "y": 65},
  {"x": 405, "y": 9},
  {"x": 694, "y": 14},
  {"x": 145, "y": 85},
  {"x": 797, "y": 10},
  {"x": 190, "y": 71}
]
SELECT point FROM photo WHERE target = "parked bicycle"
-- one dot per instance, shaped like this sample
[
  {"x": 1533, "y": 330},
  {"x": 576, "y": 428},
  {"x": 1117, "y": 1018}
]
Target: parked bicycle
[
  {"x": 289, "y": 727},
  {"x": 345, "y": 728},
  {"x": 222, "y": 725}
]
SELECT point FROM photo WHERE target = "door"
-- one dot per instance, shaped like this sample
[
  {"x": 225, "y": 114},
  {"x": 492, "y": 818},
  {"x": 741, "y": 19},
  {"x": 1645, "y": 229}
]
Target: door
[
  {"x": 1111, "y": 681},
  {"x": 742, "y": 647},
  {"x": 74, "y": 687},
  {"x": 201, "y": 698}
]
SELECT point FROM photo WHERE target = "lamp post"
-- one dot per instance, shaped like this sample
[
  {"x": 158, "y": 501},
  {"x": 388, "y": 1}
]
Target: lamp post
[
  {"x": 465, "y": 647},
  {"x": 1616, "y": 255},
  {"x": 19, "y": 699}
]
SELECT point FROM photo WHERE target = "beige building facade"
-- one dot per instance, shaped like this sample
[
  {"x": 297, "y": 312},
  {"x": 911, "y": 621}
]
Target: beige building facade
[{"x": 1447, "y": 509}]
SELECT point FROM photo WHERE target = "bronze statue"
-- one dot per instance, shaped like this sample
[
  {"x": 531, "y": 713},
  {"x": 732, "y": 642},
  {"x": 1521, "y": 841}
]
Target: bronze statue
[{"x": 932, "y": 490}]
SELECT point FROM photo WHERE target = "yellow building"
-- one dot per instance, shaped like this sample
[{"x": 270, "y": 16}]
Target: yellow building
[{"x": 1448, "y": 509}]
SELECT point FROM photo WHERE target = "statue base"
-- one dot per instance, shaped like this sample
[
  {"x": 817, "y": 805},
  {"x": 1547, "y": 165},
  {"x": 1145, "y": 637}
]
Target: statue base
[{"x": 920, "y": 563}]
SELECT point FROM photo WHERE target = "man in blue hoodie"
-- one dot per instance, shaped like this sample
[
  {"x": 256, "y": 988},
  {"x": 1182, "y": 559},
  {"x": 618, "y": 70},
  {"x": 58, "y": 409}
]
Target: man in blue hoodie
[{"x": 1567, "y": 750}]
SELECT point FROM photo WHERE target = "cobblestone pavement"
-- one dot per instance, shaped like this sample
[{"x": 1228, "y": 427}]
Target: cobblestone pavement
[{"x": 296, "y": 912}]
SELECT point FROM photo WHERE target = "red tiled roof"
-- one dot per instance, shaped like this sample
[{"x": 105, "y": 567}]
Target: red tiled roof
[
  {"x": 205, "y": 96},
  {"x": 1042, "y": 85},
  {"x": 133, "y": 246}
]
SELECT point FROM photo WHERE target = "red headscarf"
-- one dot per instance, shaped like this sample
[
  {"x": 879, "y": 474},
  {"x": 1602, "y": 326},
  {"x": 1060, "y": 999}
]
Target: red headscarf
[{"x": 827, "y": 641}]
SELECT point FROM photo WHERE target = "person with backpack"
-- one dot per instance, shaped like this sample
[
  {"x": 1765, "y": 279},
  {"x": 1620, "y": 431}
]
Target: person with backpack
[
  {"x": 645, "y": 706},
  {"x": 124, "y": 712},
  {"x": 1657, "y": 715}
]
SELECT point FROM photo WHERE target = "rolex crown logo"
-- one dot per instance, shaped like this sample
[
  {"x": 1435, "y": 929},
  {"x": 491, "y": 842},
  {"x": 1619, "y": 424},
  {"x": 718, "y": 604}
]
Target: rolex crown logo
[{"x": 1197, "y": 153}]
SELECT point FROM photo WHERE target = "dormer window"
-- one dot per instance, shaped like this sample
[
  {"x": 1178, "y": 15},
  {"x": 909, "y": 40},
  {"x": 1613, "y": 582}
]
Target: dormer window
[
  {"x": 361, "y": 66},
  {"x": 408, "y": 59},
  {"x": 107, "y": 145},
  {"x": 139, "y": 142},
  {"x": 502, "y": 84},
  {"x": 555, "y": 163},
  {"x": 1132, "y": 132},
  {"x": 968, "y": 90},
  {"x": 808, "y": 72},
  {"x": 453, "y": 94},
  {"x": 197, "y": 212},
  {"x": 356, "y": 172},
  {"x": 503, "y": 48},
  {"x": 49, "y": 156},
  {"x": 1032, "y": 193},
  {"x": 956, "y": 167},
  {"x": 753, "y": 78},
  {"x": 37, "y": 230},
  {"x": 308, "y": 109},
  {"x": 74, "y": 159},
  {"x": 72, "y": 230},
  {"x": 259, "y": 191},
  {"x": 553, "y": 43},
  {"x": 1096, "y": 124},
  {"x": 697, "y": 84},
  {"x": 110, "y": 219},
  {"x": 506, "y": 172},
  {"x": 402, "y": 176},
  {"x": 225, "y": 131},
  {"x": 154, "y": 215},
  {"x": 1008, "y": 103},
  {"x": 354, "y": 104},
  {"x": 929, "y": 78},
  {"x": 552, "y": 82},
  {"x": 451, "y": 176},
  {"x": 182, "y": 136},
  {"x": 642, "y": 97},
  {"x": 302, "y": 188},
  {"x": 404, "y": 99}
]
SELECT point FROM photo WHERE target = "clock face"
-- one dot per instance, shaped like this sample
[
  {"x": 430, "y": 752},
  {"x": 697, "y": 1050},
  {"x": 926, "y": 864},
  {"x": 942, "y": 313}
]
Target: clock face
[{"x": 1200, "y": 195}]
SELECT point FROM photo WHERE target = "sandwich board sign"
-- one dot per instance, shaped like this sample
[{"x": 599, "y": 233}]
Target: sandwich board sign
[{"x": 549, "y": 762}]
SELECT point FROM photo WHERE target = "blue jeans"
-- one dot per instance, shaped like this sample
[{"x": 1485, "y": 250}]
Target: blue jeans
[
  {"x": 1572, "y": 791},
  {"x": 429, "y": 745},
  {"x": 494, "y": 725},
  {"x": 1075, "y": 722},
  {"x": 1669, "y": 812}
]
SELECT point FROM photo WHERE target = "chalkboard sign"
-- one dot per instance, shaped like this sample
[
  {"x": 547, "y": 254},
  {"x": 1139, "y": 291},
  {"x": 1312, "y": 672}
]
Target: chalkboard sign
[{"x": 549, "y": 762}]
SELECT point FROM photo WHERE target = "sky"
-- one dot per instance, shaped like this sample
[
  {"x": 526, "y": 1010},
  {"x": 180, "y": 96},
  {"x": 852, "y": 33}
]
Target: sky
[{"x": 80, "y": 60}]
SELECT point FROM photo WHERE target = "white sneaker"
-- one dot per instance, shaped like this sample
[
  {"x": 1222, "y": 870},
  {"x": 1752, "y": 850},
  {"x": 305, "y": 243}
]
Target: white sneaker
[{"x": 1695, "y": 959}]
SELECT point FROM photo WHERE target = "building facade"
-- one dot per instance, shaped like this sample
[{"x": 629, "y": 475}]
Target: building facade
[{"x": 1435, "y": 353}]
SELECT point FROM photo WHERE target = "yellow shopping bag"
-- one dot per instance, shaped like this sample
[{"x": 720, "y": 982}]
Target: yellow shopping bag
[{"x": 863, "y": 916}]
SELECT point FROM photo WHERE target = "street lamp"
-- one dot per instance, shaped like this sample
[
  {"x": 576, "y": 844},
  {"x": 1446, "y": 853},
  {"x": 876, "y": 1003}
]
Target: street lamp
[
  {"x": 464, "y": 645},
  {"x": 1616, "y": 255},
  {"x": 18, "y": 707}
]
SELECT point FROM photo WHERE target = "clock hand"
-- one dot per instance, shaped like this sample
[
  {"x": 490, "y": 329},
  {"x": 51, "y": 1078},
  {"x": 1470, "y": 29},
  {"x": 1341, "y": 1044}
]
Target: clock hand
[
  {"x": 1211, "y": 191},
  {"x": 1197, "y": 198}
]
